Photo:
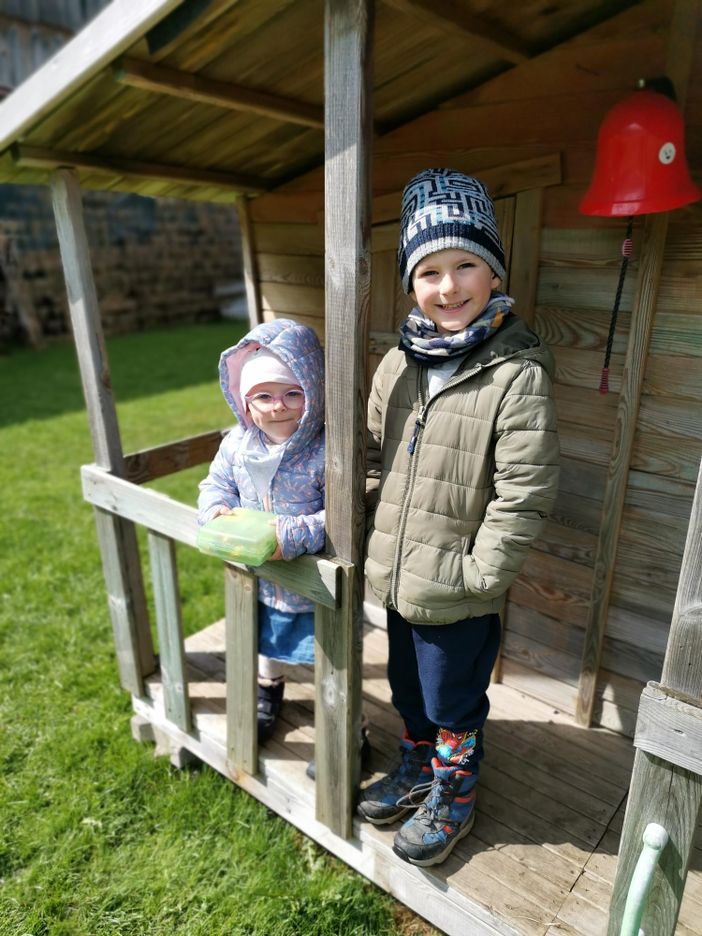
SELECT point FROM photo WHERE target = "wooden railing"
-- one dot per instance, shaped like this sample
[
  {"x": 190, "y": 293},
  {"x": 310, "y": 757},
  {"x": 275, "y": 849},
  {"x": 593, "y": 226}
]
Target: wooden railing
[{"x": 325, "y": 581}]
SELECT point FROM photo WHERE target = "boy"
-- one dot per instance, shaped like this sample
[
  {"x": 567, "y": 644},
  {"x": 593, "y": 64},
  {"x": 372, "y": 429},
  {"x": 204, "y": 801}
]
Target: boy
[
  {"x": 463, "y": 431},
  {"x": 273, "y": 460}
]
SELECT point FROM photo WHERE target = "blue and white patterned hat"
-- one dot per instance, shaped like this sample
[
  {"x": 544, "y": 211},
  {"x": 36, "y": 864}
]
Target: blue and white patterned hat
[{"x": 443, "y": 209}]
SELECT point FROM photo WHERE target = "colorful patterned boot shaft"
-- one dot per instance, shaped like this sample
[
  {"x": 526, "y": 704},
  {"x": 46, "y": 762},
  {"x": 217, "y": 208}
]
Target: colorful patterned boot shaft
[
  {"x": 387, "y": 799},
  {"x": 446, "y": 815},
  {"x": 456, "y": 749}
]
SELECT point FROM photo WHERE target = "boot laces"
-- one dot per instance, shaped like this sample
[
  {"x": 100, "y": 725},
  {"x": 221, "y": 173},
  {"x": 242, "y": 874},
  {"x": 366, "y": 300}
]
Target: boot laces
[{"x": 430, "y": 796}]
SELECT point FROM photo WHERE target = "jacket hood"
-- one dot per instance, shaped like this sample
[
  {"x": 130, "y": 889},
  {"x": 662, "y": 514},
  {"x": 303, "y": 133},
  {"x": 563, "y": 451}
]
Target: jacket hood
[{"x": 298, "y": 347}]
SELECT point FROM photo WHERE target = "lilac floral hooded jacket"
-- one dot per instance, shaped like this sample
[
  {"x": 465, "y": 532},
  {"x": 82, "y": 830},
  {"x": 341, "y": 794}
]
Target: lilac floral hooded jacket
[{"x": 296, "y": 491}]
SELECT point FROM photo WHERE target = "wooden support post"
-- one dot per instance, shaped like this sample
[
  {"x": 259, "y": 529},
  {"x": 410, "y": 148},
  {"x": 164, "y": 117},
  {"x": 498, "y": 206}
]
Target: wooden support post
[
  {"x": 117, "y": 537},
  {"x": 169, "y": 624},
  {"x": 348, "y": 116},
  {"x": 337, "y": 734},
  {"x": 679, "y": 59},
  {"x": 524, "y": 259},
  {"x": 651, "y": 264},
  {"x": 661, "y": 791},
  {"x": 241, "y": 655},
  {"x": 248, "y": 257}
]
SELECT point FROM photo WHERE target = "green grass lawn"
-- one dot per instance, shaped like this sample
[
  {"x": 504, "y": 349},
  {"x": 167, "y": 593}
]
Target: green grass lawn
[{"x": 96, "y": 835}]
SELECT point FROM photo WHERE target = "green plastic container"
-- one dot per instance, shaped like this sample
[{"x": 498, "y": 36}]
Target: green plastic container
[{"x": 244, "y": 535}]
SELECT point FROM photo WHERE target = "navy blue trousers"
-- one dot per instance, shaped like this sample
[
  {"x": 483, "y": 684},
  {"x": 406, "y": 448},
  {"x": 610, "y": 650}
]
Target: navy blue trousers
[{"x": 439, "y": 673}]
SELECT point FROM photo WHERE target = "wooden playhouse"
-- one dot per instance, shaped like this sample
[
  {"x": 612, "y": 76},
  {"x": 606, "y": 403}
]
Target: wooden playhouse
[{"x": 308, "y": 118}]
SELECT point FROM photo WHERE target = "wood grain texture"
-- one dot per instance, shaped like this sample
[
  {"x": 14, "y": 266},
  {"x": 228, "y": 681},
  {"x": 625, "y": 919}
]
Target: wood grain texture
[
  {"x": 348, "y": 115},
  {"x": 116, "y": 536},
  {"x": 670, "y": 796},
  {"x": 241, "y": 640},
  {"x": 169, "y": 625},
  {"x": 249, "y": 263},
  {"x": 190, "y": 87},
  {"x": 682, "y": 670},
  {"x": 162, "y": 460},
  {"x": 651, "y": 262},
  {"x": 315, "y": 577},
  {"x": 110, "y": 33},
  {"x": 669, "y": 726}
]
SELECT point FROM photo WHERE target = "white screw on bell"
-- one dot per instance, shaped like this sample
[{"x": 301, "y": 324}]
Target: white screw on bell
[{"x": 666, "y": 154}]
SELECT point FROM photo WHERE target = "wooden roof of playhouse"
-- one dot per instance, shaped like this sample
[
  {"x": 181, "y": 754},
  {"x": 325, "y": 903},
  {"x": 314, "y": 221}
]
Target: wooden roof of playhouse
[
  {"x": 259, "y": 102},
  {"x": 208, "y": 99}
]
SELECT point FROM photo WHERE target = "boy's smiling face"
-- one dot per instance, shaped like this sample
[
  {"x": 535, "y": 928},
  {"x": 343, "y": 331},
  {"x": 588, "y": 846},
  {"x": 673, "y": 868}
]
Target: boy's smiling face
[{"x": 452, "y": 287}]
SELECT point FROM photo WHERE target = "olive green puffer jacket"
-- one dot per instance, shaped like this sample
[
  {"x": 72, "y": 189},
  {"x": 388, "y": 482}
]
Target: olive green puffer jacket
[{"x": 455, "y": 518}]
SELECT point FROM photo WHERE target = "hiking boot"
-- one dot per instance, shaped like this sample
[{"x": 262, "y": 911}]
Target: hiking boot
[
  {"x": 445, "y": 816},
  {"x": 311, "y": 770},
  {"x": 269, "y": 703},
  {"x": 379, "y": 802}
]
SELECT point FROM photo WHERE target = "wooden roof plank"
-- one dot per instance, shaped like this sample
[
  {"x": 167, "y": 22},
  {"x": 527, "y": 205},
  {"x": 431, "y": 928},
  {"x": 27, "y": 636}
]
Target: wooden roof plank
[
  {"x": 191, "y": 87},
  {"x": 111, "y": 32},
  {"x": 449, "y": 17},
  {"x": 34, "y": 157}
]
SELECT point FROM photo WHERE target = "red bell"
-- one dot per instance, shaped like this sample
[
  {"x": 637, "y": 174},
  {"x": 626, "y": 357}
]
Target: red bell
[{"x": 640, "y": 165}]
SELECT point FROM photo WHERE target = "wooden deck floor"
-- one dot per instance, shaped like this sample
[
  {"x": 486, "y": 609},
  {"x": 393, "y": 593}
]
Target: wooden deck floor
[{"x": 542, "y": 855}]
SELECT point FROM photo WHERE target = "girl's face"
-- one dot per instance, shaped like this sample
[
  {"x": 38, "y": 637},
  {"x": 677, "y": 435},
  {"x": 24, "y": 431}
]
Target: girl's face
[
  {"x": 452, "y": 287},
  {"x": 270, "y": 412}
]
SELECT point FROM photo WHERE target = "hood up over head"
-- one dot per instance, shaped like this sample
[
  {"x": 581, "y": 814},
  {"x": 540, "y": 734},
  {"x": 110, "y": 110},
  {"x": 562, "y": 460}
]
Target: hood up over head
[{"x": 299, "y": 349}]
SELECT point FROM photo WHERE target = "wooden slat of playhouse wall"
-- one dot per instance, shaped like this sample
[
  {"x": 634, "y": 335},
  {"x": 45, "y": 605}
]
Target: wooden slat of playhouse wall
[{"x": 577, "y": 276}]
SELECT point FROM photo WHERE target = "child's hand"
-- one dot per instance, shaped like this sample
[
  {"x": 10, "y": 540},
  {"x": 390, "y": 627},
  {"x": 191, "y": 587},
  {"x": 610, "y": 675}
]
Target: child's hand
[
  {"x": 221, "y": 511},
  {"x": 277, "y": 554}
]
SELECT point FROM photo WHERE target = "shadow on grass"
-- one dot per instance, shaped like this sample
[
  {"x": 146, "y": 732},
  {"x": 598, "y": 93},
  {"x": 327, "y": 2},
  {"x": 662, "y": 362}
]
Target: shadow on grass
[{"x": 42, "y": 384}]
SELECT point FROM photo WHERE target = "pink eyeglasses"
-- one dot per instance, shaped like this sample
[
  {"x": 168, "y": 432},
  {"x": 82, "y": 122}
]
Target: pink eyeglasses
[{"x": 265, "y": 402}]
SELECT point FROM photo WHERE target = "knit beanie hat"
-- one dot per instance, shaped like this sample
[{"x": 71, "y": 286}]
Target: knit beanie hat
[
  {"x": 262, "y": 366},
  {"x": 442, "y": 209}
]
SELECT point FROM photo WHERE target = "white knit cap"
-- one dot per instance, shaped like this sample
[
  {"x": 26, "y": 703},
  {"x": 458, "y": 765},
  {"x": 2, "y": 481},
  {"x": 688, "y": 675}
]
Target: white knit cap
[{"x": 262, "y": 366}]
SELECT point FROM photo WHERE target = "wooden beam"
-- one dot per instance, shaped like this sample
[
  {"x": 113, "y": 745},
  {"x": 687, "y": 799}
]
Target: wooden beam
[
  {"x": 109, "y": 34},
  {"x": 669, "y": 726},
  {"x": 117, "y": 537},
  {"x": 679, "y": 57},
  {"x": 189, "y": 87},
  {"x": 162, "y": 460},
  {"x": 450, "y": 18},
  {"x": 37, "y": 157},
  {"x": 241, "y": 660},
  {"x": 315, "y": 577},
  {"x": 671, "y": 796},
  {"x": 249, "y": 263},
  {"x": 169, "y": 624},
  {"x": 682, "y": 666},
  {"x": 643, "y": 314},
  {"x": 348, "y": 90},
  {"x": 523, "y": 269}
]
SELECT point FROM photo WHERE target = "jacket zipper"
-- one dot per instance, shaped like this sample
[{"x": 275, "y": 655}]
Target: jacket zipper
[{"x": 412, "y": 448}]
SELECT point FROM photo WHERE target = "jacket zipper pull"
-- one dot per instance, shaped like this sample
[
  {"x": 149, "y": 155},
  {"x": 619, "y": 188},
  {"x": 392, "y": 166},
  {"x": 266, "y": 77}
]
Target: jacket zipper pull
[{"x": 418, "y": 423}]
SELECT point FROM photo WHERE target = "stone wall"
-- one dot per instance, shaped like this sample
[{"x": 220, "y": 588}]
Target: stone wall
[{"x": 156, "y": 262}]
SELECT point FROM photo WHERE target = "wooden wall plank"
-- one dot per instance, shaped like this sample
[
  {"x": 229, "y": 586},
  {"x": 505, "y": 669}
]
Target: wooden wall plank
[
  {"x": 291, "y": 270},
  {"x": 286, "y": 238}
]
